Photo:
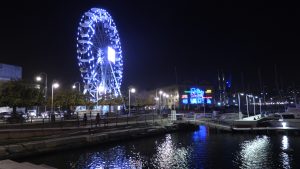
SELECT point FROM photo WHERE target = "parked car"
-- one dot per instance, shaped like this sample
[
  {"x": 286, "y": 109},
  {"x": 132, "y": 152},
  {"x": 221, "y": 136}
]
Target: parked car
[
  {"x": 45, "y": 114},
  {"x": 31, "y": 113},
  {"x": 5, "y": 115}
]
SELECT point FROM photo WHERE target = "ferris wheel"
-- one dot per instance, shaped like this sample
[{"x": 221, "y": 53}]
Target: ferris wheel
[{"x": 99, "y": 54}]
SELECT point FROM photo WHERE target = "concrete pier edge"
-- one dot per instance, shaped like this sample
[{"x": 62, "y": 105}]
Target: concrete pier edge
[{"x": 32, "y": 148}]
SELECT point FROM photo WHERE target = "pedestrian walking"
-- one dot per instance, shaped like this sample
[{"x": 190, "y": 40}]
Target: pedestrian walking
[
  {"x": 97, "y": 119},
  {"x": 84, "y": 119}
]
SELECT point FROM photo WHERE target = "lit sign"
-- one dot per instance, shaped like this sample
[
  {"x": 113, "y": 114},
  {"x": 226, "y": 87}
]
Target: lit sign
[
  {"x": 196, "y": 96},
  {"x": 184, "y": 96}
]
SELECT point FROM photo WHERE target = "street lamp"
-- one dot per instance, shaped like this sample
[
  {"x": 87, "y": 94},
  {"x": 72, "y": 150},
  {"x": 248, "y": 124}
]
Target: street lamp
[
  {"x": 251, "y": 96},
  {"x": 54, "y": 86},
  {"x": 247, "y": 105},
  {"x": 157, "y": 100},
  {"x": 160, "y": 100},
  {"x": 39, "y": 78},
  {"x": 239, "y": 99},
  {"x": 254, "y": 97},
  {"x": 131, "y": 90},
  {"x": 260, "y": 106},
  {"x": 74, "y": 86}
]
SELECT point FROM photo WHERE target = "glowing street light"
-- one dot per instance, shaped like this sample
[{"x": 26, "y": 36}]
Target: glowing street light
[
  {"x": 239, "y": 99},
  {"x": 38, "y": 79},
  {"x": 131, "y": 90},
  {"x": 54, "y": 86},
  {"x": 74, "y": 86}
]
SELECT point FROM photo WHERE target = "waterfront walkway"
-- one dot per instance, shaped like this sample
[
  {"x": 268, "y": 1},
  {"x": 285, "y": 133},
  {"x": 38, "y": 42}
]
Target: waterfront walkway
[{"x": 9, "y": 164}]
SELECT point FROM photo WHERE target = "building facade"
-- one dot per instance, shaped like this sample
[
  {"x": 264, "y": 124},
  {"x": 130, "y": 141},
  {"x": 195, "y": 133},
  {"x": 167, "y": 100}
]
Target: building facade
[
  {"x": 183, "y": 96},
  {"x": 10, "y": 72}
]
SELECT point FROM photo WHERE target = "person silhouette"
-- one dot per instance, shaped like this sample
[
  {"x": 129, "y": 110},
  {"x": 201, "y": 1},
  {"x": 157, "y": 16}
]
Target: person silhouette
[
  {"x": 84, "y": 119},
  {"x": 98, "y": 119}
]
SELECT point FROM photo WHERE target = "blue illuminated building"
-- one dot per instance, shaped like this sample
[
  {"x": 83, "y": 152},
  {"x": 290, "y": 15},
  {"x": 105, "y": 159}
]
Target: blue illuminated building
[
  {"x": 183, "y": 96},
  {"x": 10, "y": 72}
]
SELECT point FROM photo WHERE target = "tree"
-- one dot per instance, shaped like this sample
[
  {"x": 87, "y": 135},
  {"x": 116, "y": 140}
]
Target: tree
[
  {"x": 19, "y": 94},
  {"x": 69, "y": 99},
  {"x": 110, "y": 100}
]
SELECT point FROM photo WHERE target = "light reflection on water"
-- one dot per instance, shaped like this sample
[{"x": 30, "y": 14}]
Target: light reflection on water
[
  {"x": 285, "y": 159},
  {"x": 199, "y": 149},
  {"x": 255, "y": 153},
  {"x": 112, "y": 158},
  {"x": 169, "y": 156}
]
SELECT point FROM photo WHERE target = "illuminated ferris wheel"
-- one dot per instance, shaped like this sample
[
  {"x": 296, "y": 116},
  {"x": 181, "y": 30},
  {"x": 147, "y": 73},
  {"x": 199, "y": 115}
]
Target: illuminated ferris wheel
[{"x": 99, "y": 54}]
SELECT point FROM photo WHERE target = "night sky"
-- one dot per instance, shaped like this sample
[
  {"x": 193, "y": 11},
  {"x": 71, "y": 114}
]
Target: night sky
[{"x": 197, "y": 37}]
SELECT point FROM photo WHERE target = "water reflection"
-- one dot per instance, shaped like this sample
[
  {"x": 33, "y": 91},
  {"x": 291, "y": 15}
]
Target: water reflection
[
  {"x": 113, "y": 158},
  {"x": 284, "y": 157},
  {"x": 201, "y": 134},
  {"x": 255, "y": 153},
  {"x": 168, "y": 155},
  {"x": 199, "y": 149}
]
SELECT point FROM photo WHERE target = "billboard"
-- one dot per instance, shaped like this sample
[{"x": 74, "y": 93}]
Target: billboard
[{"x": 196, "y": 96}]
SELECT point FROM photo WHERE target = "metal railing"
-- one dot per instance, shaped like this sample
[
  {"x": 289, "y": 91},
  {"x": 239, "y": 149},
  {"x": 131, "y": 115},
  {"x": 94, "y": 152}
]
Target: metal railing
[{"x": 91, "y": 120}]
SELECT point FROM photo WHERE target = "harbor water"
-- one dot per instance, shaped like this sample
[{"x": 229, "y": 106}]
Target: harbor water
[{"x": 198, "y": 149}]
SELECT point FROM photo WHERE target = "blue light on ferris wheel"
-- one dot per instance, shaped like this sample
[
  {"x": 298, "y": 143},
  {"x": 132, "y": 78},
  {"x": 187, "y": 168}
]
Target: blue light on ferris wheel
[
  {"x": 99, "y": 54},
  {"x": 111, "y": 53}
]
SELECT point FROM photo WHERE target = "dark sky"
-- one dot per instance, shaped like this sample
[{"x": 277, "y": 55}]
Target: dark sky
[{"x": 197, "y": 37}]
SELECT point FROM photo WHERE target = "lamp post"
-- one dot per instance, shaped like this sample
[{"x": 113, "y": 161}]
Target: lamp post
[
  {"x": 74, "y": 86},
  {"x": 167, "y": 101},
  {"x": 131, "y": 90},
  {"x": 260, "y": 105},
  {"x": 254, "y": 97},
  {"x": 39, "y": 78},
  {"x": 54, "y": 86},
  {"x": 156, "y": 100},
  {"x": 160, "y": 100},
  {"x": 164, "y": 100},
  {"x": 251, "y": 96},
  {"x": 239, "y": 100},
  {"x": 247, "y": 105}
]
